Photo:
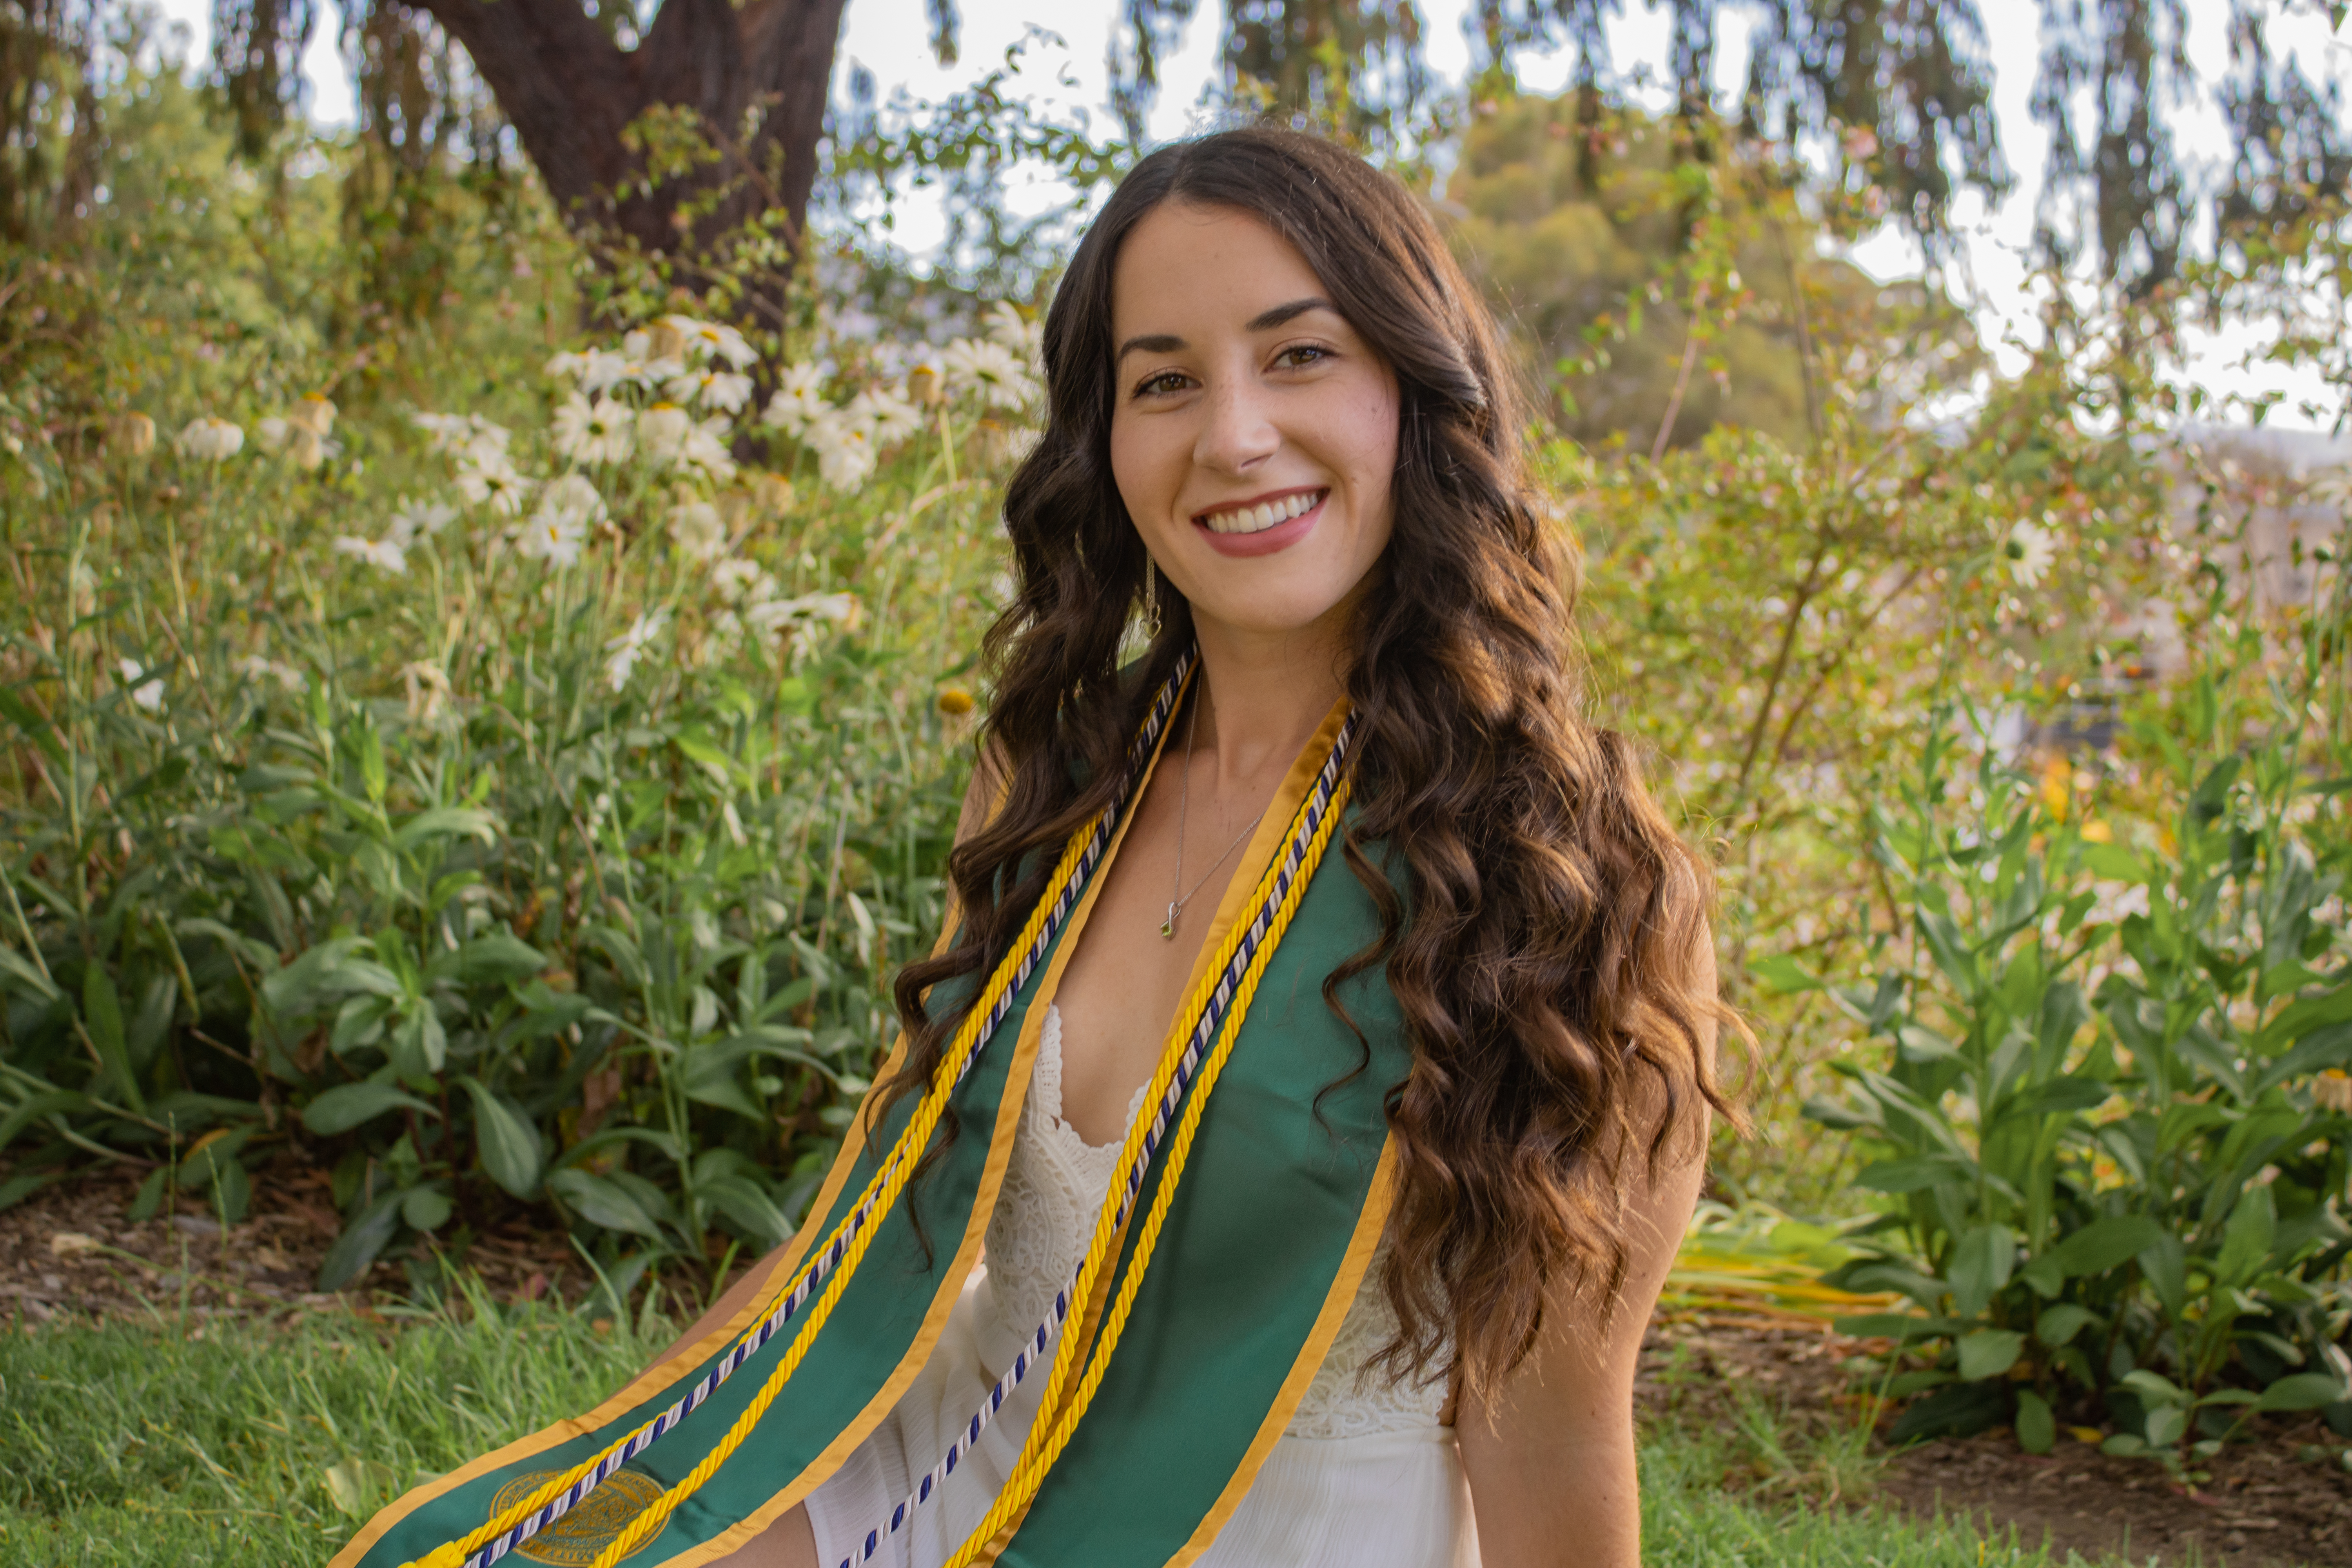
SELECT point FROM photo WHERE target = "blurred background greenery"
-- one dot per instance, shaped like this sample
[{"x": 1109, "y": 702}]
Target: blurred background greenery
[{"x": 493, "y": 588}]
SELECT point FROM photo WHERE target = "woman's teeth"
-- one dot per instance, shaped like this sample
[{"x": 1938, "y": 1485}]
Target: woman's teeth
[{"x": 1257, "y": 519}]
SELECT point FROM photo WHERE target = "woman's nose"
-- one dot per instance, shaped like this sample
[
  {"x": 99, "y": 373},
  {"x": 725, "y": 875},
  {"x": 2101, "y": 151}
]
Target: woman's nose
[{"x": 1237, "y": 430}]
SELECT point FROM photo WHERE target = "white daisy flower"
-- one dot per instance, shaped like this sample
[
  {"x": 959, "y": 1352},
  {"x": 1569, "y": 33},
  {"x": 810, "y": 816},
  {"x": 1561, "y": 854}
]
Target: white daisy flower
[
  {"x": 2031, "y": 551},
  {"x": 699, "y": 531},
  {"x": 484, "y": 477},
  {"x": 703, "y": 339},
  {"x": 415, "y": 520},
  {"x": 621, "y": 653},
  {"x": 705, "y": 448},
  {"x": 1007, "y": 325},
  {"x": 146, "y": 687},
  {"x": 662, "y": 432},
  {"x": 739, "y": 580},
  {"x": 255, "y": 668},
  {"x": 844, "y": 450},
  {"x": 383, "y": 554},
  {"x": 210, "y": 440},
  {"x": 888, "y": 417},
  {"x": 990, "y": 372},
  {"x": 600, "y": 432},
  {"x": 711, "y": 388},
  {"x": 799, "y": 398},
  {"x": 556, "y": 540}
]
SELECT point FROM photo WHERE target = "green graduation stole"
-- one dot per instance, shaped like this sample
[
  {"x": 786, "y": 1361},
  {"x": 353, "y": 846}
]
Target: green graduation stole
[{"x": 1261, "y": 1211}]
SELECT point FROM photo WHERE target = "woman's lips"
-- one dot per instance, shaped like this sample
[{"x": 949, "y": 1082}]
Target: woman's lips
[{"x": 1265, "y": 541}]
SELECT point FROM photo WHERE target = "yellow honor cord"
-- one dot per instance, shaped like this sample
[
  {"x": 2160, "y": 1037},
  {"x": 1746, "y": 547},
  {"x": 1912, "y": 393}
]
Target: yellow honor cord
[{"x": 1038, "y": 1454}]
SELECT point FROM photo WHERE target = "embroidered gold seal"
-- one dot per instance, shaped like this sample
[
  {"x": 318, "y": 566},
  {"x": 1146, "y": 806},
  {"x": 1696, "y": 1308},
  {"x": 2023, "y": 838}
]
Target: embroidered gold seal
[{"x": 574, "y": 1540}]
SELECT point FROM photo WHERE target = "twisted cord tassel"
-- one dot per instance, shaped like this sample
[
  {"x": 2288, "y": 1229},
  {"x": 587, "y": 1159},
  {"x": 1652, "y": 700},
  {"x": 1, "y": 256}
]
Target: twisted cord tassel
[
  {"x": 1038, "y": 1458},
  {"x": 880, "y": 1191}
]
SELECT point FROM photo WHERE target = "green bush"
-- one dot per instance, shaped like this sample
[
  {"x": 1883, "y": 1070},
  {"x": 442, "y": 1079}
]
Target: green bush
[
  {"x": 552, "y": 838},
  {"x": 2109, "y": 1134}
]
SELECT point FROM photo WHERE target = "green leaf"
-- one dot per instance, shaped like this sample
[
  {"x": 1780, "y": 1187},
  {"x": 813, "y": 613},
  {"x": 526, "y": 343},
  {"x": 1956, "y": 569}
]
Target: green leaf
[
  {"x": 2164, "y": 1262},
  {"x": 1981, "y": 1263},
  {"x": 2061, "y": 1323},
  {"x": 2246, "y": 1239},
  {"x": 602, "y": 1202},
  {"x": 1781, "y": 974},
  {"x": 446, "y": 822},
  {"x": 1989, "y": 1353},
  {"x": 1920, "y": 1046},
  {"x": 2037, "y": 1428},
  {"x": 1896, "y": 1326},
  {"x": 743, "y": 1201},
  {"x": 361, "y": 1241},
  {"x": 102, "y": 1012},
  {"x": 2303, "y": 1391},
  {"x": 349, "y": 1105},
  {"x": 323, "y": 975},
  {"x": 2104, "y": 1244},
  {"x": 16, "y": 1189},
  {"x": 1912, "y": 1175},
  {"x": 2153, "y": 1387},
  {"x": 2113, "y": 863},
  {"x": 37, "y": 729},
  {"x": 425, "y": 1208},
  {"x": 26, "y": 977},
  {"x": 40, "y": 1107},
  {"x": 505, "y": 1139},
  {"x": 2044, "y": 1275},
  {"x": 495, "y": 957},
  {"x": 2059, "y": 1096}
]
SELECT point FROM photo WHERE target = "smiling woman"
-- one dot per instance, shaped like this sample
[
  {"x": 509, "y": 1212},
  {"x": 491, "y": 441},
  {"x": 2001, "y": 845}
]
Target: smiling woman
[{"x": 1319, "y": 1227}]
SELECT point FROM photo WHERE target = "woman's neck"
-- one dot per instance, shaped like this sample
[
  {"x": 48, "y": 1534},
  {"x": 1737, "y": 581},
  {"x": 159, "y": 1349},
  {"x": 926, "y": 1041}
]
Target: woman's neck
[{"x": 1262, "y": 695}]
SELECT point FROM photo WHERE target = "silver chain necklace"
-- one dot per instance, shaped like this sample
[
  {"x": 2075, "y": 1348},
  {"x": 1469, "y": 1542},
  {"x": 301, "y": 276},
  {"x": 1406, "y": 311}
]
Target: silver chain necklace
[{"x": 1184, "y": 812}]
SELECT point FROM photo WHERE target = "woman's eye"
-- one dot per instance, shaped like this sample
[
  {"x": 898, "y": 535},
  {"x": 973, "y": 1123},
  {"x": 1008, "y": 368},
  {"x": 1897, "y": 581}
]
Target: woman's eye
[
  {"x": 1167, "y": 380},
  {"x": 1299, "y": 356}
]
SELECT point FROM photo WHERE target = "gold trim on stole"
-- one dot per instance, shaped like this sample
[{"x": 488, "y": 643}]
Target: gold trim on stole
[{"x": 1272, "y": 833}]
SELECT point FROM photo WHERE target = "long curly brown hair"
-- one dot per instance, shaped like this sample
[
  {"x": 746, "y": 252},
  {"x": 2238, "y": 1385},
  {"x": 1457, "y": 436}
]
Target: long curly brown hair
[{"x": 1547, "y": 974}]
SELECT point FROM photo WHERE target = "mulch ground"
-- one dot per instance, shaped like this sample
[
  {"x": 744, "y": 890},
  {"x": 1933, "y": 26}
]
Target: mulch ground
[
  {"x": 68, "y": 1252},
  {"x": 70, "y": 1249}
]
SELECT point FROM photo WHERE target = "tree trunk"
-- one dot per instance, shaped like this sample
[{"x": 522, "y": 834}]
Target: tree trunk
[{"x": 755, "y": 76}]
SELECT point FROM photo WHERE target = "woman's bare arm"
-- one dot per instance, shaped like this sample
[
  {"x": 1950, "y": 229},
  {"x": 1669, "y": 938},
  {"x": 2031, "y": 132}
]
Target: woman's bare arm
[{"x": 1550, "y": 1455}]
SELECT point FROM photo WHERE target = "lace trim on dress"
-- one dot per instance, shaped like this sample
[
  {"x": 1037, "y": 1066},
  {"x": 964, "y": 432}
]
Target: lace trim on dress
[{"x": 1053, "y": 1188}]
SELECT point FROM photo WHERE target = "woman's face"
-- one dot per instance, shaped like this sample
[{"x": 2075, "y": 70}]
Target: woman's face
[{"x": 1254, "y": 434}]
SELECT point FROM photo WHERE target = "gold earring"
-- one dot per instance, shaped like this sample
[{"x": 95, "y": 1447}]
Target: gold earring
[{"x": 1150, "y": 598}]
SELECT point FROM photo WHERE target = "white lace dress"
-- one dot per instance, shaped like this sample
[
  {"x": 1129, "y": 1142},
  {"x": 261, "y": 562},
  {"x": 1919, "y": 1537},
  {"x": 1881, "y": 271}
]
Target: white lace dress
[{"x": 1364, "y": 1476}]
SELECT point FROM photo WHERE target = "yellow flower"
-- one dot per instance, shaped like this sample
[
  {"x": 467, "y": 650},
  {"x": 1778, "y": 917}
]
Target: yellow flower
[{"x": 955, "y": 702}]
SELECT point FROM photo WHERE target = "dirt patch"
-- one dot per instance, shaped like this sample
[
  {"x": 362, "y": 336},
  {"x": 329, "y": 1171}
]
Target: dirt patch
[
  {"x": 2279, "y": 1499},
  {"x": 70, "y": 1249},
  {"x": 2264, "y": 1505}
]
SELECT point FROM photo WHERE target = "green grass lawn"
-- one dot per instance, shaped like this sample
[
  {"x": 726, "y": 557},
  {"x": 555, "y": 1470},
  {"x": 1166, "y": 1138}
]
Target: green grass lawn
[{"x": 236, "y": 1443}]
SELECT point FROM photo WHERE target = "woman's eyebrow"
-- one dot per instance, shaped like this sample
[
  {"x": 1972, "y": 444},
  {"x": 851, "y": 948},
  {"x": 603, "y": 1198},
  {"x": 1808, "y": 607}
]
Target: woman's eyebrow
[
  {"x": 1150, "y": 343},
  {"x": 1169, "y": 343},
  {"x": 1265, "y": 320}
]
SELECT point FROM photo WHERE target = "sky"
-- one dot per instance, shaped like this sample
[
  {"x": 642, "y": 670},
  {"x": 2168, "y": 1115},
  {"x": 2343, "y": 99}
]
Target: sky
[{"x": 888, "y": 38}]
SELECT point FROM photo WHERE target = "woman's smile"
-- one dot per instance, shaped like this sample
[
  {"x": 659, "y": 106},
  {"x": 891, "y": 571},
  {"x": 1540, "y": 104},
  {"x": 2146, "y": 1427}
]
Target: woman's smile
[{"x": 1263, "y": 524}]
